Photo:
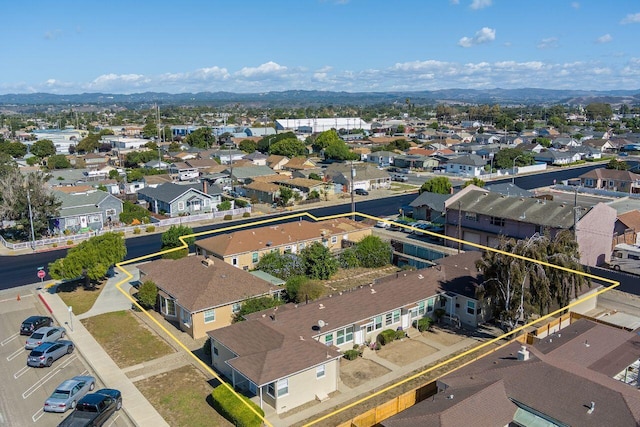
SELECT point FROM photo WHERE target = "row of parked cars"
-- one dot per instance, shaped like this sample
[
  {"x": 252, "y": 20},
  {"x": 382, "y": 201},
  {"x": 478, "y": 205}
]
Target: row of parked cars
[
  {"x": 46, "y": 345},
  {"x": 403, "y": 224}
]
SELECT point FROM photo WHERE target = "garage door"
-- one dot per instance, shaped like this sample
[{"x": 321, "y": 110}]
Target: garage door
[{"x": 468, "y": 236}]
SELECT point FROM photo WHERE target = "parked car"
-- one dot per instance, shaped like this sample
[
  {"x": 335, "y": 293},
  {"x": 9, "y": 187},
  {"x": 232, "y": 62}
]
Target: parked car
[
  {"x": 361, "y": 192},
  {"x": 32, "y": 323},
  {"x": 46, "y": 353},
  {"x": 46, "y": 334},
  {"x": 384, "y": 224},
  {"x": 94, "y": 409},
  {"x": 67, "y": 394},
  {"x": 398, "y": 177}
]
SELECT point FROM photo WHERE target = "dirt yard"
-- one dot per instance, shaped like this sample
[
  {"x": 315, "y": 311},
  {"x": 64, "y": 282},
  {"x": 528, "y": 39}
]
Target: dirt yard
[
  {"x": 346, "y": 279},
  {"x": 442, "y": 336},
  {"x": 406, "y": 351},
  {"x": 356, "y": 372}
]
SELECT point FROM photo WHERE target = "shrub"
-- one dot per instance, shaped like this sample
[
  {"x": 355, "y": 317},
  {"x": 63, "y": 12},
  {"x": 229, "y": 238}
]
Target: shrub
[
  {"x": 150, "y": 228},
  {"x": 55, "y": 245},
  {"x": 400, "y": 334},
  {"x": 66, "y": 232},
  {"x": 121, "y": 233},
  {"x": 349, "y": 259},
  {"x": 69, "y": 242},
  {"x": 228, "y": 217},
  {"x": 148, "y": 294},
  {"x": 136, "y": 230},
  {"x": 386, "y": 336},
  {"x": 227, "y": 404},
  {"x": 423, "y": 324},
  {"x": 246, "y": 215},
  {"x": 351, "y": 354}
]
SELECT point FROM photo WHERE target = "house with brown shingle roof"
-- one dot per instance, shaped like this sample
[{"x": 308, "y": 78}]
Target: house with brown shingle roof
[
  {"x": 628, "y": 225},
  {"x": 261, "y": 190},
  {"x": 298, "y": 163},
  {"x": 611, "y": 180},
  {"x": 276, "y": 162},
  {"x": 201, "y": 294},
  {"x": 289, "y": 356},
  {"x": 582, "y": 375},
  {"x": 304, "y": 186},
  {"x": 244, "y": 248}
]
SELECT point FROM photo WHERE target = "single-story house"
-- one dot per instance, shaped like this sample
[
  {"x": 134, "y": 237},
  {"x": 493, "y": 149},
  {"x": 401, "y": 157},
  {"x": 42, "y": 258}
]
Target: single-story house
[
  {"x": 611, "y": 180},
  {"x": 202, "y": 294},
  {"x": 86, "y": 211},
  {"x": 177, "y": 200}
]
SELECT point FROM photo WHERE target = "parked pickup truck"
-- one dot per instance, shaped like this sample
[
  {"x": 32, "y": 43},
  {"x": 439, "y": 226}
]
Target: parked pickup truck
[{"x": 94, "y": 409}]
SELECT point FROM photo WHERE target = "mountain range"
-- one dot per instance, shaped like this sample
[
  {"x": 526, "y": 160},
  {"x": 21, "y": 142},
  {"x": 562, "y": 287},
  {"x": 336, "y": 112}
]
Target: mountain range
[{"x": 505, "y": 97}]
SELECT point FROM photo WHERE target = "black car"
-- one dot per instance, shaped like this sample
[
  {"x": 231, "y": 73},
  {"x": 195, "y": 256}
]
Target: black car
[
  {"x": 361, "y": 192},
  {"x": 31, "y": 324},
  {"x": 94, "y": 409}
]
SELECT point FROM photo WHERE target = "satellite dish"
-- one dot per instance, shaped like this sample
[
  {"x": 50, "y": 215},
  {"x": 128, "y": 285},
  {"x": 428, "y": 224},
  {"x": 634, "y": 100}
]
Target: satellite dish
[{"x": 321, "y": 323}]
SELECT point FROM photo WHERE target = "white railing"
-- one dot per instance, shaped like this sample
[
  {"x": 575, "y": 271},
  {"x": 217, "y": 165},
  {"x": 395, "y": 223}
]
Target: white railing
[{"x": 62, "y": 240}]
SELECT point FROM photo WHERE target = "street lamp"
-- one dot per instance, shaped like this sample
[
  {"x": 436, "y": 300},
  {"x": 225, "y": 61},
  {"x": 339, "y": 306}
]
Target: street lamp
[
  {"x": 33, "y": 233},
  {"x": 513, "y": 178}
]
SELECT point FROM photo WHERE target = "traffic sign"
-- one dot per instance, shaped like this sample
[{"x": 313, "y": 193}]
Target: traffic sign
[{"x": 41, "y": 274}]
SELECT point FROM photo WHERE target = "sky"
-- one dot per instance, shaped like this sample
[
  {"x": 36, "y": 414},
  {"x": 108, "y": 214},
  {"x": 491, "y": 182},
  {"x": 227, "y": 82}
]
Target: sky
[{"x": 255, "y": 46}]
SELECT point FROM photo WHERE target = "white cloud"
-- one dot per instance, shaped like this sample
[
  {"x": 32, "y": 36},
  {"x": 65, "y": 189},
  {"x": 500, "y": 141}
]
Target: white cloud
[
  {"x": 480, "y": 4},
  {"x": 52, "y": 34},
  {"x": 269, "y": 68},
  {"x": 575, "y": 5},
  {"x": 632, "y": 18},
  {"x": 604, "y": 39},
  {"x": 454, "y": 1},
  {"x": 485, "y": 35},
  {"x": 548, "y": 43}
]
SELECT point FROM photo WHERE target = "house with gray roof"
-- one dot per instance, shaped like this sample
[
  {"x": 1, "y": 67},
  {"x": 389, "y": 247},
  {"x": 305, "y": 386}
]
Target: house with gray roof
[
  {"x": 555, "y": 157},
  {"x": 381, "y": 158},
  {"x": 177, "y": 200},
  {"x": 367, "y": 176},
  {"x": 245, "y": 174},
  {"x": 86, "y": 211},
  {"x": 481, "y": 217},
  {"x": 467, "y": 165},
  {"x": 429, "y": 206}
]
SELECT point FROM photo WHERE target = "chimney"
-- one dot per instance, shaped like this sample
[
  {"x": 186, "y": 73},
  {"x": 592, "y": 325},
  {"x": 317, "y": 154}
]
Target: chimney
[
  {"x": 591, "y": 408},
  {"x": 204, "y": 186},
  {"x": 523, "y": 353}
]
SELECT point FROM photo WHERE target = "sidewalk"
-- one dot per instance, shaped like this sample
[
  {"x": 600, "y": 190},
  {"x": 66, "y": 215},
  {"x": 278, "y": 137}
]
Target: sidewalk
[{"x": 135, "y": 405}]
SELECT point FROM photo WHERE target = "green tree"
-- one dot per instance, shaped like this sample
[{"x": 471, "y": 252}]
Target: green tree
[
  {"x": 254, "y": 305},
  {"x": 301, "y": 289},
  {"x": 248, "y": 146},
  {"x": 92, "y": 258},
  {"x": 318, "y": 261},
  {"x": 286, "y": 194},
  {"x": 58, "y": 161},
  {"x": 201, "y": 138},
  {"x": 339, "y": 151},
  {"x": 325, "y": 139},
  {"x": 224, "y": 206},
  {"x": 519, "y": 288},
  {"x": 439, "y": 184},
  {"x": 288, "y": 148},
  {"x": 131, "y": 211},
  {"x": 475, "y": 181},
  {"x": 43, "y": 148},
  {"x": 150, "y": 130},
  {"x": 315, "y": 176},
  {"x": 147, "y": 294},
  {"x": 171, "y": 239},
  {"x": 598, "y": 111},
  {"x": 504, "y": 159},
  {"x": 14, "y": 204},
  {"x": 618, "y": 165},
  {"x": 14, "y": 149},
  {"x": 373, "y": 252},
  {"x": 7, "y": 164},
  {"x": 283, "y": 266}
]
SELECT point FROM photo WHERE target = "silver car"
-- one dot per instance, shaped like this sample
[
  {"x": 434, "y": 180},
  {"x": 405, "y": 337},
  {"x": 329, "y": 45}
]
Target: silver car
[
  {"x": 67, "y": 394},
  {"x": 46, "y": 353},
  {"x": 46, "y": 334}
]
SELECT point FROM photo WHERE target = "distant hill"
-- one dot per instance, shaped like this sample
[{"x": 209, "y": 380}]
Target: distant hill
[{"x": 524, "y": 96}]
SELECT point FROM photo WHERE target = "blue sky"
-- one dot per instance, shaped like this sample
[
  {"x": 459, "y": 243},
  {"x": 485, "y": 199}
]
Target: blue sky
[{"x": 116, "y": 46}]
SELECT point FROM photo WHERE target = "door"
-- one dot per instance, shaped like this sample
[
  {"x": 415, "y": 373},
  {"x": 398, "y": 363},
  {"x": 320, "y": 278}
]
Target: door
[{"x": 83, "y": 222}]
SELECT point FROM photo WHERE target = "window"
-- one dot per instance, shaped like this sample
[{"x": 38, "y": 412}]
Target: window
[
  {"x": 287, "y": 249},
  {"x": 283, "y": 387},
  {"x": 254, "y": 257},
  {"x": 180, "y": 206},
  {"x": 396, "y": 316},
  {"x": 320, "y": 371},
  {"x": 209, "y": 316},
  {"x": 215, "y": 350},
  {"x": 236, "y": 307},
  {"x": 348, "y": 336},
  {"x": 185, "y": 317},
  {"x": 334, "y": 239},
  {"x": 470, "y": 216},
  {"x": 388, "y": 318},
  {"x": 95, "y": 218},
  {"x": 471, "y": 307},
  {"x": 110, "y": 212},
  {"x": 340, "y": 337},
  {"x": 588, "y": 182},
  {"x": 377, "y": 323},
  {"x": 271, "y": 389},
  {"x": 421, "y": 308},
  {"x": 497, "y": 221},
  {"x": 171, "y": 307},
  {"x": 234, "y": 261},
  {"x": 612, "y": 183},
  {"x": 328, "y": 339},
  {"x": 430, "y": 303},
  {"x": 301, "y": 246}
]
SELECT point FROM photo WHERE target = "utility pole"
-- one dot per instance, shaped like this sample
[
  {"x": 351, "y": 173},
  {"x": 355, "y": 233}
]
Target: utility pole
[
  {"x": 459, "y": 227},
  {"x": 33, "y": 233},
  {"x": 353, "y": 200}
]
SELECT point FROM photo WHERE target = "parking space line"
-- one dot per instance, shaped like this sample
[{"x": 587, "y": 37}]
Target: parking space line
[
  {"x": 15, "y": 354},
  {"x": 35, "y": 417},
  {"x": 114, "y": 420},
  {"x": 8, "y": 340},
  {"x": 13, "y": 299},
  {"x": 47, "y": 377},
  {"x": 21, "y": 372}
]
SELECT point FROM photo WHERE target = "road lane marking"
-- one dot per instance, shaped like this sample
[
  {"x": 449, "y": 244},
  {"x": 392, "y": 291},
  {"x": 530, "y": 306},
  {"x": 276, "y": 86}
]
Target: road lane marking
[
  {"x": 15, "y": 354},
  {"x": 21, "y": 372},
  {"x": 8, "y": 340},
  {"x": 35, "y": 417},
  {"x": 47, "y": 377}
]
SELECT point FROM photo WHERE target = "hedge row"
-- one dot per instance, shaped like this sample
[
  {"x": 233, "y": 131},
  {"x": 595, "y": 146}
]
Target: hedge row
[{"x": 227, "y": 404}]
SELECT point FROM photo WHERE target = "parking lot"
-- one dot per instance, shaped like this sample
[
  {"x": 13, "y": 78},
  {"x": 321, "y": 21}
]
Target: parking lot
[{"x": 23, "y": 389}]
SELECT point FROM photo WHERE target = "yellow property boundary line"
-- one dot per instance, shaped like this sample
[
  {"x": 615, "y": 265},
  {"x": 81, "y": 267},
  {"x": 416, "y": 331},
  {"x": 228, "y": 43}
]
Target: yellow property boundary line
[{"x": 300, "y": 215}]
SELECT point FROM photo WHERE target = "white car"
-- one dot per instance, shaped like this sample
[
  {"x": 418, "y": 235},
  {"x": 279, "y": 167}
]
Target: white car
[{"x": 384, "y": 224}]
